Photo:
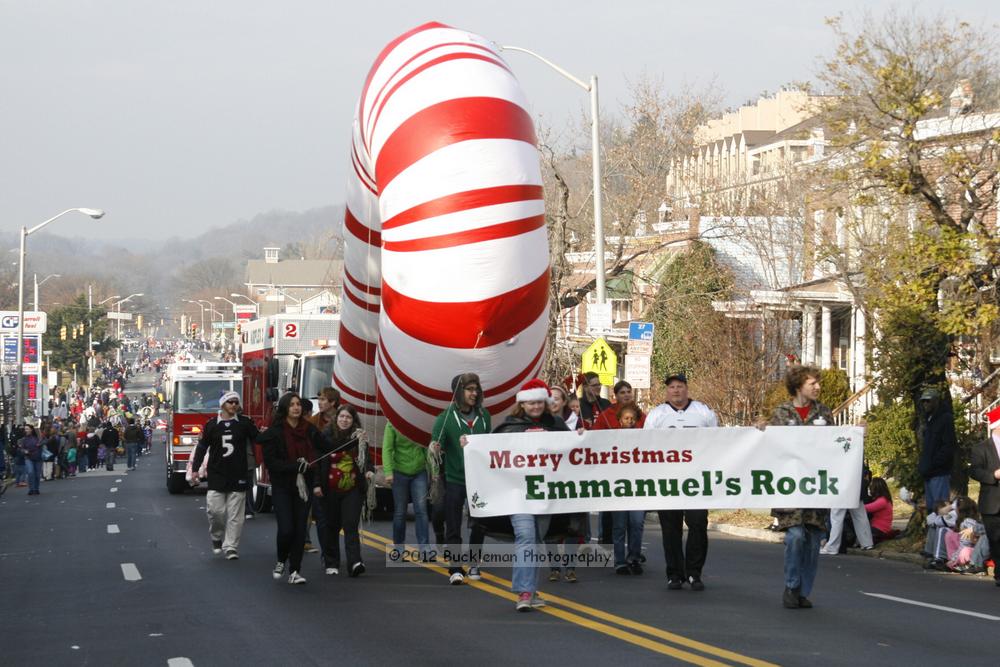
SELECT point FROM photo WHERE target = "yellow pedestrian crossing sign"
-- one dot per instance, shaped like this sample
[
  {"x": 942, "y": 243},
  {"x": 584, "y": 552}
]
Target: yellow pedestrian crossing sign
[{"x": 601, "y": 359}]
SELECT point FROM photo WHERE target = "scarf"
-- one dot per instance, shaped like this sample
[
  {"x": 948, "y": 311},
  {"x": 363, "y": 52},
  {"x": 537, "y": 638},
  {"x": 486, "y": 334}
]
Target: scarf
[{"x": 297, "y": 441}]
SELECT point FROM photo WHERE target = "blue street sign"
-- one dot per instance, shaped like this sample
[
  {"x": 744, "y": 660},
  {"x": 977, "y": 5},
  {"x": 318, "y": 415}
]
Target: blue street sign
[{"x": 640, "y": 331}]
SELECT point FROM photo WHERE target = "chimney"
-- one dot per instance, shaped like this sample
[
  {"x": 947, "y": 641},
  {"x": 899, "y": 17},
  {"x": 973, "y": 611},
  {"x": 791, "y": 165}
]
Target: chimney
[
  {"x": 271, "y": 255},
  {"x": 960, "y": 99}
]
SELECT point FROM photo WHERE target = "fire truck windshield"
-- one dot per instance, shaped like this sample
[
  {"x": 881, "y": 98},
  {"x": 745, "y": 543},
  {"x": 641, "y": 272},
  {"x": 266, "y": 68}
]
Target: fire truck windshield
[
  {"x": 316, "y": 374},
  {"x": 202, "y": 395}
]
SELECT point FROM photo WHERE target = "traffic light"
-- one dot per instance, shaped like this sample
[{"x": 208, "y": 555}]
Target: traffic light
[
  {"x": 138, "y": 323},
  {"x": 74, "y": 332},
  {"x": 62, "y": 332}
]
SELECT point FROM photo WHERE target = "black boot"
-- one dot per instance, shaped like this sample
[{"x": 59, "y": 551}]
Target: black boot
[{"x": 790, "y": 599}]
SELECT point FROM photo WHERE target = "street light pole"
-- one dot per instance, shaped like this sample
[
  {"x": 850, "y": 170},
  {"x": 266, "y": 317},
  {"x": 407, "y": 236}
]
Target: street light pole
[
  {"x": 42, "y": 282},
  {"x": 202, "y": 317},
  {"x": 94, "y": 213},
  {"x": 118, "y": 352},
  {"x": 595, "y": 134}
]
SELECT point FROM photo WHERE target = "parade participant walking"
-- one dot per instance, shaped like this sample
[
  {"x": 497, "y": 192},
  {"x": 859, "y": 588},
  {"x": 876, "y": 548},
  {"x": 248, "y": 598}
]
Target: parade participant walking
[
  {"x": 803, "y": 528},
  {"x": 328, "y": 402},
  {"x": 465, "y": 416},
  {"x": 134, "y": 438},
  {"x": 608, "y": 418},
  {"x": 685, "y": 562},
  {"x": 225, "y": 439},
  {"x": 404, "y": 464},
  {"x": 339, "y": 486},
  {"x": 531, "y": 414},
  {"x": 288, "y": 443},
  {"x": 31, "y": 446},
  {"x": 591, "y": 403}
]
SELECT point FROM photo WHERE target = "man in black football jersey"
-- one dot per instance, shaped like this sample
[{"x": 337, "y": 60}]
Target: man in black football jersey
[{"x": 225, "y": 439}]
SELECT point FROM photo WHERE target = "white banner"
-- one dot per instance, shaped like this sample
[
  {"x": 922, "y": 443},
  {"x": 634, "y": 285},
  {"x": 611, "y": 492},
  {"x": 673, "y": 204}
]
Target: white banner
[{"x": 703, "y": 468}]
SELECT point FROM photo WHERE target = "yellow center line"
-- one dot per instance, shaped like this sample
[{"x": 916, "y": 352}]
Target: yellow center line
[
  {"x": 576, "y": 619},
  {"x": 381, "y": 542}
]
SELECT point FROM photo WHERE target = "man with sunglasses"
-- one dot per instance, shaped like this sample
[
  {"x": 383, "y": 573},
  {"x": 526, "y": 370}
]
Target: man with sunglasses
[{"x": 226, "y": 439}]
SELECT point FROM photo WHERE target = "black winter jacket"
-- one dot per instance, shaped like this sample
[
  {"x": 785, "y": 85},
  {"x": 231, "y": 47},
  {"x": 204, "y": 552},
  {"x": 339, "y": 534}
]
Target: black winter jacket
[
  {"x": 281, "y": 470},
  {"x": 226, "y": 447},
  {"x": 937, "y": 444}
]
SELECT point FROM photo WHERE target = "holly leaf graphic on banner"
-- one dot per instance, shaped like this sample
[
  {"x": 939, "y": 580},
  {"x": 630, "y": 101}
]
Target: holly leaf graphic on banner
[
  {"x": 845, "y": 442},
  {"x": 476, "y": 502}
]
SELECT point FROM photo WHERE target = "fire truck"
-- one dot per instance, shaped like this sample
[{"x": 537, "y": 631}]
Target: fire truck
[
  {"x": 281, "y": 353},
  {"x": 193, "y": 390}
]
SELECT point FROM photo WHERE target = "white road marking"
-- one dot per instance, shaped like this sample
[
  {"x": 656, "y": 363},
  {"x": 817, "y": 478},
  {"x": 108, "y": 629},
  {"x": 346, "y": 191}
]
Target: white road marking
[
  {"x": 118, "y": 481},
  {"x": 179, "y": 662},
  {"x": 110, "y": 506},
  {"x": 917, "y": 603},
  {"x": 114, "y": 489},
  {"x": 130, "y": 572},
  {"x": 75, "y": 647},
  {"x": 113, "y": 529},
  {"x": 155, "y": 634}
]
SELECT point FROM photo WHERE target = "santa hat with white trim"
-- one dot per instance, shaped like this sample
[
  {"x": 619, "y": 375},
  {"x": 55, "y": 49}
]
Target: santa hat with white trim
[
  {"x": 993, "y": 417},
  {"x": 534, "y": 390}
]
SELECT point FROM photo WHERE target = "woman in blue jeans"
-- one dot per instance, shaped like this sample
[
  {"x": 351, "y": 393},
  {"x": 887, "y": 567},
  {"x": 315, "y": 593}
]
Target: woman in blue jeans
[{"x": 530, "y": 414}]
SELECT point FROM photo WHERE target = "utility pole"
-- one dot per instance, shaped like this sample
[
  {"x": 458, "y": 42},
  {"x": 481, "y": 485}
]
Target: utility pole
[{"x": 90, "y": 342}]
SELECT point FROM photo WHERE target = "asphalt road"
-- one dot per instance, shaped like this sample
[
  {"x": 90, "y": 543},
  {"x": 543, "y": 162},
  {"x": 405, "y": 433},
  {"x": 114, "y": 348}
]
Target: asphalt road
[{"x": 109, "y": 569}]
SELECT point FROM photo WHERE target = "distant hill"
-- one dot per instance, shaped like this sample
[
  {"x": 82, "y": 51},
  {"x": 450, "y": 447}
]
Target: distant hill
[{"x": 156, "y": 267}]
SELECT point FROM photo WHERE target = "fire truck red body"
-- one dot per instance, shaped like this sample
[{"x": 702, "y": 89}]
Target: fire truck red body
[
  {"x": 193, "y": 390},
  {"x": 281, "y": 353}
]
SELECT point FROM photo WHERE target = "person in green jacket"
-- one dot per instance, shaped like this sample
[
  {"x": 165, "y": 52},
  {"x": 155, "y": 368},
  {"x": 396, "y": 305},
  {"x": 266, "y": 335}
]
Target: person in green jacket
[
  {"x": 404, "y": 463},
  {"x": 465, "y": 416}
]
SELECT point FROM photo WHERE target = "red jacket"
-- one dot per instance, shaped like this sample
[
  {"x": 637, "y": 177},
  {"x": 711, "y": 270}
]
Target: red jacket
[{"x": 609, "y": 419}]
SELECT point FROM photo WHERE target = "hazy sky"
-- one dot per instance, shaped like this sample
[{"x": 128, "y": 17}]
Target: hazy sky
[{"x": 176, "y": 116}]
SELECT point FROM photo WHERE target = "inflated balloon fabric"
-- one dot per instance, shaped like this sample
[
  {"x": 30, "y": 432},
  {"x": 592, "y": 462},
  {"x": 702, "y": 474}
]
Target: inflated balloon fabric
[{"x": 446, "y": 261}]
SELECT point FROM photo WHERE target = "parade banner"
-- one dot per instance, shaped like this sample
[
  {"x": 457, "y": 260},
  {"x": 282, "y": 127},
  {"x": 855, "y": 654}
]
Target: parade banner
[{"x": 703, "y": 468}]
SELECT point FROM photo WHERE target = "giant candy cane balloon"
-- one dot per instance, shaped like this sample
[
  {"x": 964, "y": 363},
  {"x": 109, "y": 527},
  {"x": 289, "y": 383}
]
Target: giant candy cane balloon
[{"x": 446, "y": 262}]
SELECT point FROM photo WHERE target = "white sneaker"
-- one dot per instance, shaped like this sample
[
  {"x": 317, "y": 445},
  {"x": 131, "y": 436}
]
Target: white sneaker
[
  {"x": 827, "y": 552},
  {"x": 332, "y": 570},
  {"x": 279, "y": 570},
  {"x": 296, "y": 578},
  {"x": 456, "y": 578},
  {"x": 474, "y": 573}
]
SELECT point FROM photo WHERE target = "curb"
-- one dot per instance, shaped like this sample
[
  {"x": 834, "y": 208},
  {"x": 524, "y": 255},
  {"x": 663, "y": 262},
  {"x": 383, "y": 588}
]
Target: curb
[
  {"x": 763, "y": 535},
  {"x": 758, "y": 534}
]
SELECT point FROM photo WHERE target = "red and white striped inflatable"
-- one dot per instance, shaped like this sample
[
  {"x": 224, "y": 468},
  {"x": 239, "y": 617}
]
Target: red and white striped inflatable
[{"x": 446, "y": 256}]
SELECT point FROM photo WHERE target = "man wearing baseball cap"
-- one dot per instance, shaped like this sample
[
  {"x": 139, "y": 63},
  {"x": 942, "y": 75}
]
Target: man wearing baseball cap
[
  {"x": 684, "y": 561},
  {"x": 985, "y": 469},
  {"x": 225, "y": 439},
  {"x": 937, "y": 446}
]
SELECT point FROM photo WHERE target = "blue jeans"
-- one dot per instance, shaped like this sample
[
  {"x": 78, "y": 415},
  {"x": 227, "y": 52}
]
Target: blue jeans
[
  {"x": 801, "y": 558},
  {"x": 131, "y": 448},
  {"x": 20, "y": 472},
  {"x": 34, "y": 474},
  {"x": 935, "y": 489},
  {"x": 525, "y": 575},
  {"x": 407, "y": 488},
  {"x": 627, "y": 524}
]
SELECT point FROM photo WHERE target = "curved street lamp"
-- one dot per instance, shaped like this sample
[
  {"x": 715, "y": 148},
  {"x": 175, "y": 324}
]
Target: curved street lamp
[{"x": 94, "y": 213}]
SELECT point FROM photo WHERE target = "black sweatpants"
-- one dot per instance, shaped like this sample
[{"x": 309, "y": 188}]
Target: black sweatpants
[
  {"x": 684, "y": 561},
  {"x": 291, "y": 512},
  {"x": 341, "y": 511}
]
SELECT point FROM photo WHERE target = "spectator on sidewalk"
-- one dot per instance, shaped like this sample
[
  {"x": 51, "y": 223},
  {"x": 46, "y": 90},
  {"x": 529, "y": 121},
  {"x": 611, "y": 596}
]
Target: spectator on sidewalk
[
  {"x": 937, "y": 446},
  {"x": 880, "y": 510}
]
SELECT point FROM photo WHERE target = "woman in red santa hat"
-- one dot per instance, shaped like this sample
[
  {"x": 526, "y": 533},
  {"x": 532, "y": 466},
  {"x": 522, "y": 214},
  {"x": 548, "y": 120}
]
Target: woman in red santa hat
[{"x": 530, "y": 414}]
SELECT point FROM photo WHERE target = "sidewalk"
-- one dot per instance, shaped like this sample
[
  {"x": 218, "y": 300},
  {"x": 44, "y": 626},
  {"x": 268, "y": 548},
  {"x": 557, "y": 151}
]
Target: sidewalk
[{"x": 775, "y": 537}]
